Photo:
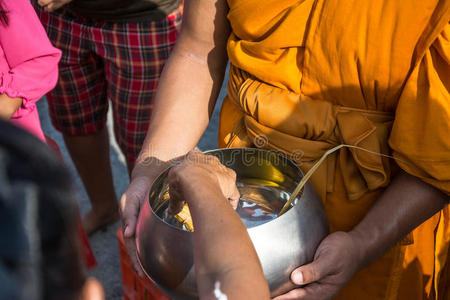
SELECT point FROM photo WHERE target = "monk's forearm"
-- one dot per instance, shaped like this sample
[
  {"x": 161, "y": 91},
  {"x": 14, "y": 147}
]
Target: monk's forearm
[
  {"x": 404, "y": 205},
  {"x": 182, "y": 108},
  {"x": 190, "y": 83}
]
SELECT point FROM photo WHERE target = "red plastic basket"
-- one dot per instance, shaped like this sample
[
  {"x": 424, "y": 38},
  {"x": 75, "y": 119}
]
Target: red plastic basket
[{"x": 133, "y": 286}]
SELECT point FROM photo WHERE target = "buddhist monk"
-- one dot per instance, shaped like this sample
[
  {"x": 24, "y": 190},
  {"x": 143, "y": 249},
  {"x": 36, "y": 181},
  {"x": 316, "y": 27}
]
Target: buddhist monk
[{"x": 309, "y": 75}]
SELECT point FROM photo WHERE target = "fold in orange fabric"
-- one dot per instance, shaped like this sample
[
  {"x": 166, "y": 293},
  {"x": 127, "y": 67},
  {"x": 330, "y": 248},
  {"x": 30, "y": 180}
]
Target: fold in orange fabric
[{"x": 309, "y": 75}]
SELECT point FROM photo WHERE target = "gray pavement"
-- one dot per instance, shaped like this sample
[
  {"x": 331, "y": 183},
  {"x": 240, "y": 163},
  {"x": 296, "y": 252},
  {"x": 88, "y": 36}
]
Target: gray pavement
[{"x": 105, "y": 244}]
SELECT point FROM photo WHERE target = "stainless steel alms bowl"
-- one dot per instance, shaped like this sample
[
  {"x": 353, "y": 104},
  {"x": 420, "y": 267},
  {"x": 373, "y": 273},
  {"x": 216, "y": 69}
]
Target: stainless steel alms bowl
[{"x": 284, "y": 243}]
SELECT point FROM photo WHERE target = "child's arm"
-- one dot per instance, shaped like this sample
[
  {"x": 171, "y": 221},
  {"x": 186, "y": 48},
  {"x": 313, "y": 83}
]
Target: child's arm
[{"x": 32, "y": 60}]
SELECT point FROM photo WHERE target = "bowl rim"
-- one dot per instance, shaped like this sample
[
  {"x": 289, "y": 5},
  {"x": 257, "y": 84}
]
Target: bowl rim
[{"x": 208, "y": 152}]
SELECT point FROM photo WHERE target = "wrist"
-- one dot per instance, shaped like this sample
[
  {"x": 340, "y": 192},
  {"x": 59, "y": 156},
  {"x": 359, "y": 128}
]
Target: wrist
[
  {"x": 160, "y": 149},
  {"x": 147, "y": 170},
  {"x": 361, "y": 245}
]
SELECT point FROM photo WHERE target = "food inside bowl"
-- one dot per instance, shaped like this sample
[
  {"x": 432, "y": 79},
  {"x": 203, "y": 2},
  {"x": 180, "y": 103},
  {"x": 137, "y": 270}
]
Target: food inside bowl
[
  {"x": 265, "y": 180},
  {"x": 185, "y": 219},
  {"x": 260, "y": 202}
]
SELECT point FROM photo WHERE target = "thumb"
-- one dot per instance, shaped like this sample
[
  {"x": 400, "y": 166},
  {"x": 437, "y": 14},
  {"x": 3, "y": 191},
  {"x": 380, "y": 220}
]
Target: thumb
[
  {"x": 130, "y": 204},
  {"x": 311, "y": 272},
  {"x": 129, "y": 211}
]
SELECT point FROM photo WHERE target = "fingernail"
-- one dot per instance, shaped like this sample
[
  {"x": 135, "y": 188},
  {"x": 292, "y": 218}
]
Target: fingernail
[{"x": 297, "y": 277}]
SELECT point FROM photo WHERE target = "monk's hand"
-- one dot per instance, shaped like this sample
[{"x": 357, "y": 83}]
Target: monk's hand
[
  {"x": 52, "y": 5},
  {"x": 337, "y": 258},
  {"x": 146, "y": 170},
  {"x": 193, "y": 173}
]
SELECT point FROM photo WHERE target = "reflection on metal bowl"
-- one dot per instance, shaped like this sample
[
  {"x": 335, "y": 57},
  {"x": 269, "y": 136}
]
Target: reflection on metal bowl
[{"x": 265, "y": 180}]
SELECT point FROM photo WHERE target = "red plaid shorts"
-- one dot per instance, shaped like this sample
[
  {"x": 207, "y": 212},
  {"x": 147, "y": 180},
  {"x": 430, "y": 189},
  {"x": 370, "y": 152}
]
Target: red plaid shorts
[{"x": 104, "y": 60}]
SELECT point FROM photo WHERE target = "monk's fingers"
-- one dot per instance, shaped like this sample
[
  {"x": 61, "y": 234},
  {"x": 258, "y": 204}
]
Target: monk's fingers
[
  {"x": 130, "y": 245},
  {"x": 312, "y": 272},
  {"x": 130, "y": 206},
  {"x": 323, "y": 291},
  {"x": 291, "y": 295}
]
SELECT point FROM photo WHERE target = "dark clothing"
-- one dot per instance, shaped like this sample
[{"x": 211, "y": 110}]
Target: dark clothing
[{"x": 123, "y": 10}]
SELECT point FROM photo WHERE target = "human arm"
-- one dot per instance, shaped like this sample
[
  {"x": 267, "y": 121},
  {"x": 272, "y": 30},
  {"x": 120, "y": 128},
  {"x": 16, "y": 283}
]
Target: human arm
[
  {"x": 32, "y": 60},
  {"x": 187, "y": 91},
  {"x": 404, "y": 205},
  {"x": 223, "y": 251},
  {"x": 420, "y": 142},
  {"x": 8, "y": 106}
]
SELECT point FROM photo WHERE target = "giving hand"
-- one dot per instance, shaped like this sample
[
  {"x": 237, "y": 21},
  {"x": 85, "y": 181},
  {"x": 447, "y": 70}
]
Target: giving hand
[
  {"x": 144, "y": 173},
  {"x": 196, "y": 172}
]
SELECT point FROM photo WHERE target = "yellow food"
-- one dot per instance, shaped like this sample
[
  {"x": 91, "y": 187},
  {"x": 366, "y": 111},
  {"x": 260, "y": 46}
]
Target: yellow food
[{"x": 184, "y": 217}]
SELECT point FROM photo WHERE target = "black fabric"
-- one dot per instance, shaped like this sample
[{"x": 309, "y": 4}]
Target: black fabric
[
  {"x": 39, "y": 252},
  {"x": 123, "y": 10}
]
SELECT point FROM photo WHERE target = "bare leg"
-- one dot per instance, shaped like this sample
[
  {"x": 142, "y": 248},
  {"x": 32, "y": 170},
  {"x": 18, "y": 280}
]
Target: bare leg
[{"x": 90, "y": 154}]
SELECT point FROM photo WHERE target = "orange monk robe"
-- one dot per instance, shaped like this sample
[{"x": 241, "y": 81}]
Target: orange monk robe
[{"x": 310, "y": 75}]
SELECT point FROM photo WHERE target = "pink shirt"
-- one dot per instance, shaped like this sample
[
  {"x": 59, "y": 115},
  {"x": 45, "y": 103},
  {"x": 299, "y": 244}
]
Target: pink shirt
[{"x": 28, "y": 62}]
